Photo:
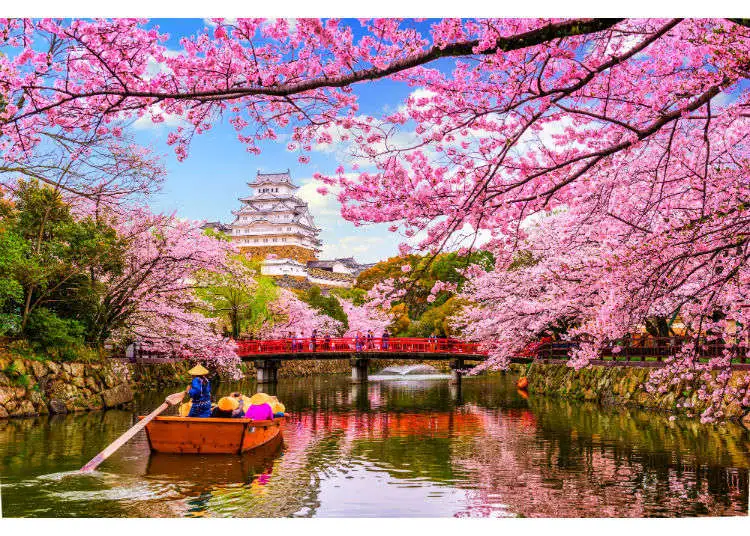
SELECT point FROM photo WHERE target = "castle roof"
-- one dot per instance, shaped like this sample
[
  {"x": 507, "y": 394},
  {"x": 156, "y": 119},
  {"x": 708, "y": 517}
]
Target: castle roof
[{"x": 283, "y": 177}]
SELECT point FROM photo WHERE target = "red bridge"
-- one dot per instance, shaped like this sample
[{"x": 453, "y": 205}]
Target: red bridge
[
  {"x": 268, "y": 354},
  {"x": 321, "y": 348}
]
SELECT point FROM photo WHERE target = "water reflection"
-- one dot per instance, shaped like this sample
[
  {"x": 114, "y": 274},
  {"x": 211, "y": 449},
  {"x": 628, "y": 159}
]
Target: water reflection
[{"x": 402, "y": 448}]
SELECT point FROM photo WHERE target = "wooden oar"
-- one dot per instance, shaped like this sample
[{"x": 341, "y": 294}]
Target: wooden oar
[{"x": 171, "y": 400}]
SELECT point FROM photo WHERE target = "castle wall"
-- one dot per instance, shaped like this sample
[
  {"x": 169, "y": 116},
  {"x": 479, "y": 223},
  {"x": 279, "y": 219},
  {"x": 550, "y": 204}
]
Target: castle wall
[{"x": 297, "y": 253}]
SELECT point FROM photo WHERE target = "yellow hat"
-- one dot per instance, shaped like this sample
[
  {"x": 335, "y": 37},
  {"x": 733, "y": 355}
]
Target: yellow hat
[
  {"x": 198, "y": 370},
  {"x": 260, "y": 398},
  {"x": 278, "y": 407},
  {"x": 228, "y": 403}
]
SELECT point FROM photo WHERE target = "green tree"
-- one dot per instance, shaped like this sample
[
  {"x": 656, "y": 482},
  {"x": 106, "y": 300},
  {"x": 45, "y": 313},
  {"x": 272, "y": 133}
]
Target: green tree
[
  {"x": 57, "y": 261},
  {"x": 424, "y": 272},
  {"x": 327, "y": 305},
  {"x": 240, "y": 297}
]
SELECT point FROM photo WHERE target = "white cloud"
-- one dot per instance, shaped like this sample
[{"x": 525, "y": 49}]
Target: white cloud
[
  {"x": 211, "y": 24},
  {"x": 363, "y": 248},
  {"x": 170, "y": 121},
  {"x": 154, "y": 67},
  {"x": 319, "y": 204}
]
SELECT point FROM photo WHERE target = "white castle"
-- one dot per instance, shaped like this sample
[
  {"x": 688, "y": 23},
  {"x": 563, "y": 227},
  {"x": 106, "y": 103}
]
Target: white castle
[{"x": 275, "y": 225}]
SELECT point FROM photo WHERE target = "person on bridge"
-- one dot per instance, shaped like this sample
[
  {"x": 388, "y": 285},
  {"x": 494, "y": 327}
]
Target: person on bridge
[
  {"x": 199, "y": 392},
  {"x": 370, "y": 340},
  {"x": 314, "y": 340},
  {"x": 358, "y": 341},
  {"x": 327, "y": 342},
  {"x": 385, "y": 339},
  {"x": 294, "y": 342}
]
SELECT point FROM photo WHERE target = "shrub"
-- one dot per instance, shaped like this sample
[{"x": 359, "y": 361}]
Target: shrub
[{"x": 47, "y": 331}]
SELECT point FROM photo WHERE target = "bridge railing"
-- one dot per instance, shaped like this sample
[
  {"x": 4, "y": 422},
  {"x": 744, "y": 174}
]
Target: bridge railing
[
  {"x": 350, "y": 344},
  {"x": 652, "y": 349}
]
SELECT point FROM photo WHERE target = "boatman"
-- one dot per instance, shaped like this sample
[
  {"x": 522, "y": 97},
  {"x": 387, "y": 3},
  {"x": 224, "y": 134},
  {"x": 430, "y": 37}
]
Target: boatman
[{"x": 199, "y": 392}]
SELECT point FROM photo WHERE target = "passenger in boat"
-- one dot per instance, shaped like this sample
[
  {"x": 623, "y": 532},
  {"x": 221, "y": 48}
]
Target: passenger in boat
[
  {"x": 260, "y": 412},
  {"x": 242, "y": 401},
  {"x": 199, "y": 392},
  {"x": 225, "y": 408}
]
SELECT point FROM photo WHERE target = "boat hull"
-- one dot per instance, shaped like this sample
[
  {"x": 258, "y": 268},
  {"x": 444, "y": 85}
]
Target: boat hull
[{"x": 193, "y": 435}]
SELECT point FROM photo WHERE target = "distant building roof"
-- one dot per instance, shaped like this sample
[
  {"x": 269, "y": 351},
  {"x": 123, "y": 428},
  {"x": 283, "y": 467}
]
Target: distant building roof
[
  {"x": 333, "y": 276},
  {"x": 349, "y": 262},
  {"x": 216, "y": 226}
]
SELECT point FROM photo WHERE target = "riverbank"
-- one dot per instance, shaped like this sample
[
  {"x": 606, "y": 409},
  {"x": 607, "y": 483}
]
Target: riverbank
[
  {"x": 31, "y": 387},
  {"x": 621, "y": 386}
]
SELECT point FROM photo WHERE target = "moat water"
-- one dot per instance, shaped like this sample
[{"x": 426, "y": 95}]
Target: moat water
[{"x": 400, "y": 447}]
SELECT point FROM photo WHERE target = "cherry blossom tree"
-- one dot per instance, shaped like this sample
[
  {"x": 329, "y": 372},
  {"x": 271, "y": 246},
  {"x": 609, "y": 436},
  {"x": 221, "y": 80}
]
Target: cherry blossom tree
[
  {"x": 635, "y": 129},
  {"x": 292, "y": 315},
  {"x": 153, "y": 300},
  {"x": 364, "y": 317}
]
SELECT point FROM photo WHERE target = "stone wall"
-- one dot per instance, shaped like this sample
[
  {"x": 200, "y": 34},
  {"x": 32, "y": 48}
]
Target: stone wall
[
  {"x": 31, "y": 387},
  {"x": 618, "y": 385}
]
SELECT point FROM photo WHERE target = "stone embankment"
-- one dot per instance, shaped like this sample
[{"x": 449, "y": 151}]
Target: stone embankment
[
  {"x": 621, "y": 386},
  {"x": 31, "y": 387}
]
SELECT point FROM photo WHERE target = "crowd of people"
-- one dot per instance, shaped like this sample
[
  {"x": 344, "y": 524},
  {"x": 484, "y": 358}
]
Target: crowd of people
[
  {"x": 326, "y": 343},
  {"x": 259, "y": 407}
]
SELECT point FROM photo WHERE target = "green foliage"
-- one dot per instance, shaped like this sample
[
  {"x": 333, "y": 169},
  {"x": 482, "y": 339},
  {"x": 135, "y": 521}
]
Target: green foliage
[
  {"x": 51, "y": 269},
  {"x": 15, "y": 376},
  {"x": 415, "y": 315},
  {"x": 327, "y": 305},
  {"x": 357, "y": 296},
  {"x": 47, "y": 330},
  {"x": 436, "y": 320},
  {"x": 239, "y": 299}
]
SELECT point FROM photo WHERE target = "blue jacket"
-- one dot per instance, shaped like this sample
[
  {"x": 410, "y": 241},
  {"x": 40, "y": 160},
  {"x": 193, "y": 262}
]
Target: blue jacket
[{"x": 200, "y": 393}]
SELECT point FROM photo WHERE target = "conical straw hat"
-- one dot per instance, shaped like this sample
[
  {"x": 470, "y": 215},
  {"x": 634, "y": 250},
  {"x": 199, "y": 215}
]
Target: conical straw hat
[
  {"x": 228, "y": 403},
  {"x": 260, "y": 398},
  {"x": 198, "y": 370}
]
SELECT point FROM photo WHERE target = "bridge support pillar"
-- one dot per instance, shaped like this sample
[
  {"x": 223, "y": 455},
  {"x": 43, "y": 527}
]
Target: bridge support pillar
[
  {"x": 359, "y": 369},
  {"x": 267, "y": 370},
  {"x": 457, "y": 366}
]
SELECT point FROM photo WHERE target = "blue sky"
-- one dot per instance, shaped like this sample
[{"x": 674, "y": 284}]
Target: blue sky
[{"x": 207, "y": 184}]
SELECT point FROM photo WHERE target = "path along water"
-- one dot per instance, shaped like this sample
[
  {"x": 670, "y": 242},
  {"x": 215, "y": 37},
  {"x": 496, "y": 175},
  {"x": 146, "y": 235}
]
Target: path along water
[{"x": 399, "y": 447}]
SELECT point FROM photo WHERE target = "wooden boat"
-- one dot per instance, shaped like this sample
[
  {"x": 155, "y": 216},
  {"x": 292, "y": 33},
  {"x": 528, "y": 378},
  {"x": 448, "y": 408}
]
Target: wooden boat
[{"x": 193, "y": 435}]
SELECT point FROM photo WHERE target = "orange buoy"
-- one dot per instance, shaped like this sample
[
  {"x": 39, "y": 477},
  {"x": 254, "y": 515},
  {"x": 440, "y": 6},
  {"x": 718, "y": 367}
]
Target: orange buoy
[{"x": 522, "y": 383}]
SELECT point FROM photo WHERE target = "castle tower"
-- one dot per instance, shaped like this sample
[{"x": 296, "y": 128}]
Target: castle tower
[{"x": 273, "y": 221}]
